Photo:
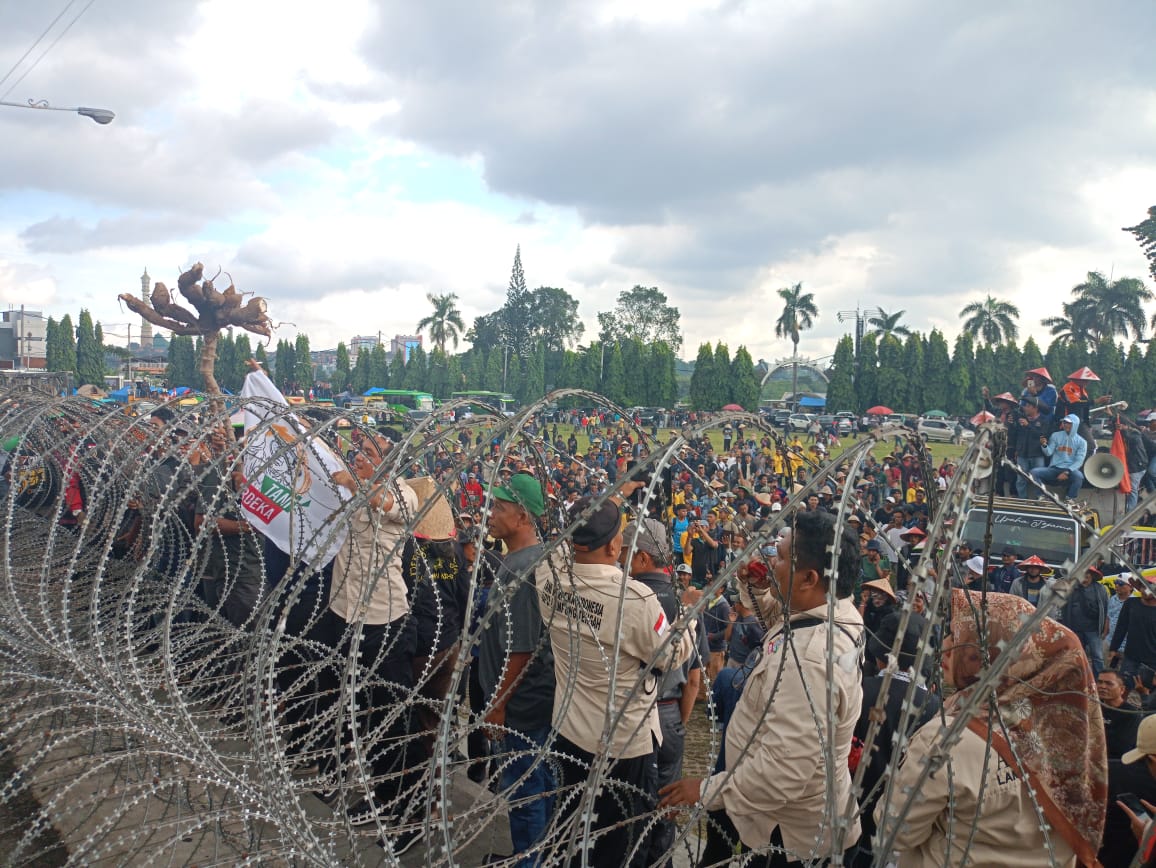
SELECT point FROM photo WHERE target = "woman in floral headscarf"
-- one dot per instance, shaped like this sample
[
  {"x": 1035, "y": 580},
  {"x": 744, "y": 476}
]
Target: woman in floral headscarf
[{"x": 1026, "y": 784}]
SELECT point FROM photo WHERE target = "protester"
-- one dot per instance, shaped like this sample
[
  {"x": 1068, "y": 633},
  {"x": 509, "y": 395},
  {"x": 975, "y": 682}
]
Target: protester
[
  {"x": 1066, "y": 451},
  {"x": 516, "y": 665},
  {"x": 781, "y": 809},
  {"x": 1048, "y": 746},
  {"x": 1121, "y": 720},
  {"x": 606, "y": 637},
  {"x": 1030, "y": 586},
  {"x": 1136, "y": 626},
  {"x": 1135, "y": 773},
  {"x": 1085, "y": 613},
  {"x": 647, "y": 555}
]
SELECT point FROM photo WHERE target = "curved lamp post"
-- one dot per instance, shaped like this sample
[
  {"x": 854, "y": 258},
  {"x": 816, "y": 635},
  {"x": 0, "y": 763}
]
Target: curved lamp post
[{"x": 101, "y": 116}]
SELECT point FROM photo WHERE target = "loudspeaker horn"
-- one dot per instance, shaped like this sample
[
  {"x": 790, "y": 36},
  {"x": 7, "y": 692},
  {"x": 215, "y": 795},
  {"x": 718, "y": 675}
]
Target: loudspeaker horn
[
  {"x": 983, "y": 466},
  {"x": 1104, "y": 470}
]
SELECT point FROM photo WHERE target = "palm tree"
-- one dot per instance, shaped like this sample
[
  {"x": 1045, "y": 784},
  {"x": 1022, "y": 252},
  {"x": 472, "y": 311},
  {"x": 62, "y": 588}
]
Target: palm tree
[
  {"x": 799, "y": 312},
  {"x": 1114, "y": 307},
  {"x": 991, "y": 320},
  {"x": 1074, "y": 327},
  {"x": 445, "y": 323},
  {"x": 887, "y": 324}
]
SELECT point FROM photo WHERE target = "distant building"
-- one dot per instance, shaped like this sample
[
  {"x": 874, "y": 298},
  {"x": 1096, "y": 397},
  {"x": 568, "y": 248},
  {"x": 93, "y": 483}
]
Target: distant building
[
  {"x": 404, "y": 344},
  {"x": 146, "y": 328},
  {"x": 23, "y": 340},
  {"x": 362, "y": 342}
]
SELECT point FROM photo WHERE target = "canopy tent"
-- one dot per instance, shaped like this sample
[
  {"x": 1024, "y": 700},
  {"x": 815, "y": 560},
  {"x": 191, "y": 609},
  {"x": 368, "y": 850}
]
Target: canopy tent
[
  {"x": 934, "y": 414},
  {"x": 812, "y": 402}
]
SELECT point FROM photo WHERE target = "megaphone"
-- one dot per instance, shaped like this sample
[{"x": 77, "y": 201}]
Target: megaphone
[
  {"x": 984, "y": 466},
  {"x": 1104, "y": 470}
]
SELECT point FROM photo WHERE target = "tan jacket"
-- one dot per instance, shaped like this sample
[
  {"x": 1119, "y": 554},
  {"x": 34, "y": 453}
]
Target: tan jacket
[
  {"x": 1003, "y": 828},
  {"x": 368, "y": 581},
  {"x": 581, "y": 609},
  {"x": 776, "y": 774}
]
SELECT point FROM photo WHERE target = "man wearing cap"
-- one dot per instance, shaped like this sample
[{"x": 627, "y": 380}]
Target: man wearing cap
[
  {"x": 808, "y": 676},
  {"x": 1032, "y": 583},
  {"x": 1038, "y": 385},
  {"x": 647, "y": 555},
  {"x": 612, "y": 646},
  {"x": 1066, "y": 451},
  {"x": 1026, "y": 442},
  {"x": 1006, "y": 573},
  {"x": 1086, "y": 614},
  {"x": 515, "y": 663},
  {"x": 873, "y": 564},
  {"x": 1135, "y": 773}
]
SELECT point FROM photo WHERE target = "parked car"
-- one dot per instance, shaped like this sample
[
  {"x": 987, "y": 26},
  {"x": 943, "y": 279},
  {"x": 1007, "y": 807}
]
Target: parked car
[
  {"x": 845, "y": 423},
  {"x": 779, "y": 418},
  {"x": 800, "y": 421},
  {"x": 941, "y": 430},
  {"x": 826, "y": 422}
]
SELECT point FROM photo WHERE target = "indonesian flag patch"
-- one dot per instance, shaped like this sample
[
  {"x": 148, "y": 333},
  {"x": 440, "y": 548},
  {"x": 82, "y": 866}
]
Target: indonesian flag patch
[{"x": 661, "y": 624}]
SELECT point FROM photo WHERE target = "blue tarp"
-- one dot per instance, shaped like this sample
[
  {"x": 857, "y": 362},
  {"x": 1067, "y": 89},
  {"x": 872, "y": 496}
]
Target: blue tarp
[
  {"x": 120, "y": 395},
  {"x": 181, "y": 390},
  {"x": 812, "y": 402},
  {"x": 376, "y": 390}
]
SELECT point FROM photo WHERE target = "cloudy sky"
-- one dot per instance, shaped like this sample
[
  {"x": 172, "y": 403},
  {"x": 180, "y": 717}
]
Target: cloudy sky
[{"x": 343, "y": 159}]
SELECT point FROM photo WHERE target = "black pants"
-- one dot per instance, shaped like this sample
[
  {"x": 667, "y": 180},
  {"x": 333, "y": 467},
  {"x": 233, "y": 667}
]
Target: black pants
[
  {"x": 628, "y": 790},
  {"x": 384, "y": 723}
]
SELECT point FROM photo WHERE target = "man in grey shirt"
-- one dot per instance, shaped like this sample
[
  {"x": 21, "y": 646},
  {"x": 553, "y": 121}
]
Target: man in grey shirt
[
  {"x": 516, "y": 666},
  {"x": 678, "y": 688}
]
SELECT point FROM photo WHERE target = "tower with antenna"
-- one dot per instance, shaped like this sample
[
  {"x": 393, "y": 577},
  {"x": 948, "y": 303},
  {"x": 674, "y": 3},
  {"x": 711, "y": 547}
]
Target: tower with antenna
[{"x": 146, "y": 329}]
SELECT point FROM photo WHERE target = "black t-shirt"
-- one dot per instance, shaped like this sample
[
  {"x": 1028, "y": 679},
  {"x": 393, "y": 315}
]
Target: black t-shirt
[
  {"x": 1120, "y": 725},
  {"x": 516, "y": 626},
  {"x": 1119, "y": 843}
]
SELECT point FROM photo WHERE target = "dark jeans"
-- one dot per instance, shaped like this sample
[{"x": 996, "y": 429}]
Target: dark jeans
[
  {"x": 521, "y": 758},
  {"x": 626, "y": 791}
]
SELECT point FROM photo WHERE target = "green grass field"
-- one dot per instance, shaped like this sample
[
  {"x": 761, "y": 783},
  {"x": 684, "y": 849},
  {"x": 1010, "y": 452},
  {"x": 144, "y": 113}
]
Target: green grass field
[{"x": 938, "y": 450}]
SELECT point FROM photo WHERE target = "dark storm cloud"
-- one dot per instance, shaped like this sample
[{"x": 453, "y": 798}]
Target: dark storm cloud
[{"x": 766, "y": 135}]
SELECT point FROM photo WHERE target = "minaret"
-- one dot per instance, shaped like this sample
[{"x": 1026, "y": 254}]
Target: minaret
[{"x": 146, "y": 329}]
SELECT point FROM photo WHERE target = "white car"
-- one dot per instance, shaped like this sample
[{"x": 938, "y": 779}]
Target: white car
[
  {"x": 800, "y": 421},
  {"x": 940, "y": 430}
]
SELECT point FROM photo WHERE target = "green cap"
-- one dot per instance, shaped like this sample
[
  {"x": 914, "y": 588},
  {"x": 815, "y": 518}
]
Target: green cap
[{"x": 524, "y": 490}]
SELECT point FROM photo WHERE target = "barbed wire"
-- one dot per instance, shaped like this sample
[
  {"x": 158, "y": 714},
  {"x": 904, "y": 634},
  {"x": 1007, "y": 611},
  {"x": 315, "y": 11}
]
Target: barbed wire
[{"x": 178, "y": 689}]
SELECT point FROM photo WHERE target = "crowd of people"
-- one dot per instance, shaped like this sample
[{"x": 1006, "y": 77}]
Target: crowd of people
[{"x": 596, "y": 626}]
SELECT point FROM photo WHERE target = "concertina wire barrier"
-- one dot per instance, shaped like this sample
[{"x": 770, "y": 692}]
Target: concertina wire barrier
[{"x": 147, "y": 721}]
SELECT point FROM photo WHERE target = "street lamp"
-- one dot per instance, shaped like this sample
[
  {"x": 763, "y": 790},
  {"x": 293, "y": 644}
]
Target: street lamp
[{"x": 101, "y": 116}]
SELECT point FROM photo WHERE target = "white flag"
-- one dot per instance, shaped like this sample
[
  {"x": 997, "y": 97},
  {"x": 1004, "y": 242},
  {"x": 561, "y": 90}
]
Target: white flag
[{"x": 291, "y": 496}]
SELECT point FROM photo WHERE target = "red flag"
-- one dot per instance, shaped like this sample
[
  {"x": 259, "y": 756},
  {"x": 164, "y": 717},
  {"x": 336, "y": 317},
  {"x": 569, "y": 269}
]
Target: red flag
[{"x": 1119, "y": 451}]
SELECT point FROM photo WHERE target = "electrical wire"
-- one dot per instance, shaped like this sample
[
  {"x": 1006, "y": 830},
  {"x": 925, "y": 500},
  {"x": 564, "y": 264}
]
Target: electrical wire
[{"x": 49, "y": 48}]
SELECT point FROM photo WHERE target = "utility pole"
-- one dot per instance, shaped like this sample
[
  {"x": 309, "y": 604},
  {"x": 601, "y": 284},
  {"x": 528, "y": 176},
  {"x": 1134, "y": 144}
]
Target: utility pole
[{"x": 860, "y": 317}]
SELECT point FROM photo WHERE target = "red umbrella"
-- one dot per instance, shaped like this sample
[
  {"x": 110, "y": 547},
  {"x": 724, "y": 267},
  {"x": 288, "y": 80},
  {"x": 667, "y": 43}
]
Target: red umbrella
[
  {"x": 735, "y": 407},
  {"x": 880, "y": 411}
]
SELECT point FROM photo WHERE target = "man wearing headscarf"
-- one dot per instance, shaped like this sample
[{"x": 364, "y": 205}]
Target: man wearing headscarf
[{"x": 1034, "y": 744}]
